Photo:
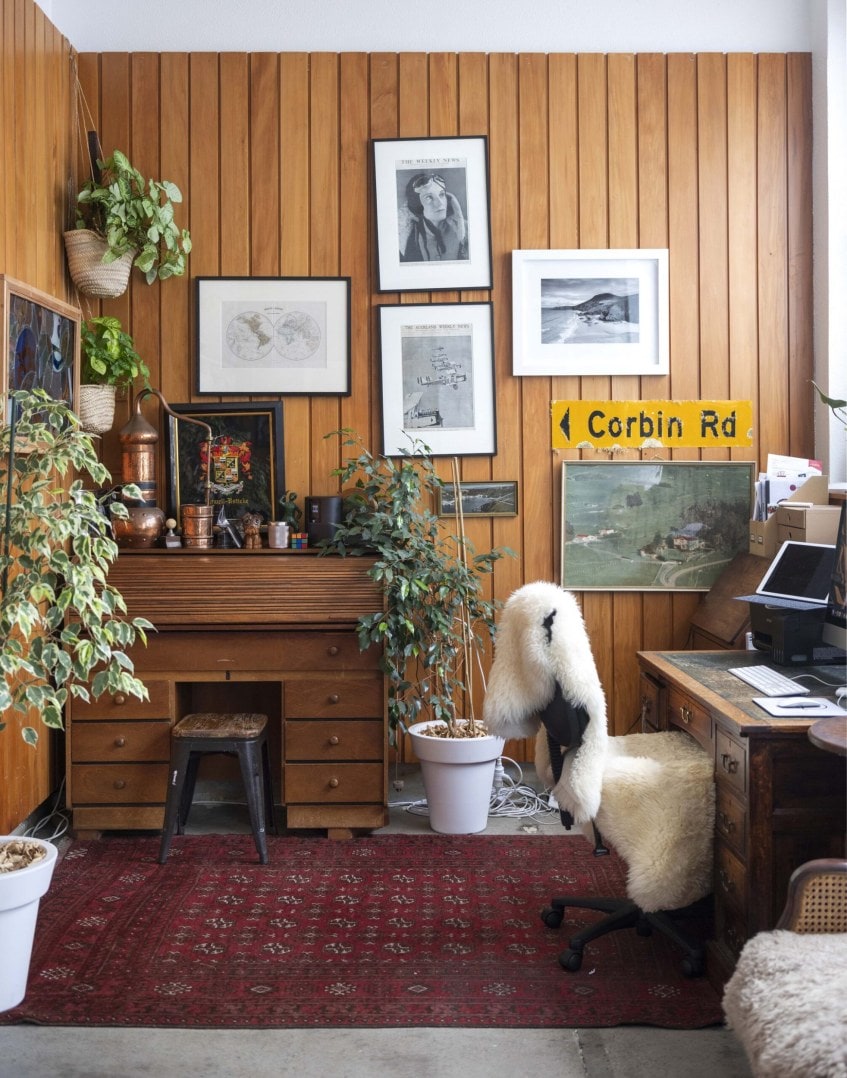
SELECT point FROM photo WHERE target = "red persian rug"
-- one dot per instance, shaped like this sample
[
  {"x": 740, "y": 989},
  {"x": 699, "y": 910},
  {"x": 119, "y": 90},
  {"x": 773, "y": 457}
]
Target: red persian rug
[{"x": 397, "y": 930}]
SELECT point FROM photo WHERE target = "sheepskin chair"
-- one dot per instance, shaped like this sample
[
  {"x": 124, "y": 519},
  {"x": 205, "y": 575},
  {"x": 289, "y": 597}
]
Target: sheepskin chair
[
  {"x": 650, "y": 796},
  {"x": 785, "y": 1000}
]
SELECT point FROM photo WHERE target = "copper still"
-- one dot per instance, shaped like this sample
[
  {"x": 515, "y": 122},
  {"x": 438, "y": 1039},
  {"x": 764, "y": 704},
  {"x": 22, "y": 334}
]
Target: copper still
[{"x": 139, "y": 440}]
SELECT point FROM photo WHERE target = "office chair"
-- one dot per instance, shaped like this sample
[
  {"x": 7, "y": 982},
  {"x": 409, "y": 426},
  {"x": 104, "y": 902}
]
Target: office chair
[
  {"x": 785, "y": 999},
  {"x": 649, "y": 796}
]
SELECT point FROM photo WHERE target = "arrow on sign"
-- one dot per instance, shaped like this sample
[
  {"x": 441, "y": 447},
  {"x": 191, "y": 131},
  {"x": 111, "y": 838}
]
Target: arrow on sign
[{"x": 565, "y": 424}]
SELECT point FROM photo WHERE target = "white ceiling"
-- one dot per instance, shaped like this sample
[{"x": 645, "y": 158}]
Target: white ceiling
[{"x": 436, "y": 25}]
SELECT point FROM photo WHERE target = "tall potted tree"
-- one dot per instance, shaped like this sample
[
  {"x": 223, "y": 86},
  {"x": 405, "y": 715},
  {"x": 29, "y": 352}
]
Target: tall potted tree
[
  {"x": 432, "y": 629},
  {"x": 124, "y": 220},
  {"x": 63, "y": 630}
]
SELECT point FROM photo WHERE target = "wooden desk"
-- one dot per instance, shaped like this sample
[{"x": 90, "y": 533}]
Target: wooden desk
[
  {"x": 260, "y": 630},
  {"x": 780, "y": 800}
]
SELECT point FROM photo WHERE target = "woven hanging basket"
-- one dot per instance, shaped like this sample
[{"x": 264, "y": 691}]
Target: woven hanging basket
[
  {"x": 91, "y": 275},
  {"x": 96, "y": 408}
]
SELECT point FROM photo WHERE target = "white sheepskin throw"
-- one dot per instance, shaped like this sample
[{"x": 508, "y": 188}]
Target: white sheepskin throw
[
  {"x": 541, "y": 640},
  {"x": 657, "y": 810},
  {"x": 787, "y": 1004}
]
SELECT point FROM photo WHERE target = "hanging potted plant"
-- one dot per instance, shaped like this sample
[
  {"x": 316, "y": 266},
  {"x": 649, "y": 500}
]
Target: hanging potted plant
[
  {"x": 62, "y": 627},
  {"x": 432, "y": 629},
  {"x": 109, "y": 362},
  {"x": 123, "y": 220}
]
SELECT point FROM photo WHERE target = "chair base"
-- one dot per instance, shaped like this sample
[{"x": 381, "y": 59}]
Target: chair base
[{"x": 622, "y": 913}]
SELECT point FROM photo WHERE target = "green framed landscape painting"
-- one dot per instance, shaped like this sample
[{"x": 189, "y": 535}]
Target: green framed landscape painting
[{"x": 652, "y": 525}]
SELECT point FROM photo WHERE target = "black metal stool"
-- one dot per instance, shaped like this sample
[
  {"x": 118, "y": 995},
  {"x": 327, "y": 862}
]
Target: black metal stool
[{"x": 240, "y": 734}]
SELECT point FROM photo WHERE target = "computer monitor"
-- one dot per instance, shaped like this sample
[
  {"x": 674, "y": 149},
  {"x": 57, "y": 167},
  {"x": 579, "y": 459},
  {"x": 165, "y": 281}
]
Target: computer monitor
[{"x": 834, "y": 633}]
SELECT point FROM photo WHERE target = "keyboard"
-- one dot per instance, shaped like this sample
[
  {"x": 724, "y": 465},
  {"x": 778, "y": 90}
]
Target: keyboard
[{"x": 768, "y": 682}]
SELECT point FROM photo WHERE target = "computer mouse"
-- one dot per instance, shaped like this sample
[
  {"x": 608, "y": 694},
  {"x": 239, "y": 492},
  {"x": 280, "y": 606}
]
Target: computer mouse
[{"x": 841, "y": 695}]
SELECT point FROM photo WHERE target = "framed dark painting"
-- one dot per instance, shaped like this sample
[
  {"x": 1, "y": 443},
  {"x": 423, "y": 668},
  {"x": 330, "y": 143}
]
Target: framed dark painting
[
  {"x": 41, "y": 349},
  {"x": 247, "y": 468}
]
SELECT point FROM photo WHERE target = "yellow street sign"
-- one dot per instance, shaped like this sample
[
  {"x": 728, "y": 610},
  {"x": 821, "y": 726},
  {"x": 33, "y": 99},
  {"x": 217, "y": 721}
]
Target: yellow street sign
[{"x": 660, "y": 424}]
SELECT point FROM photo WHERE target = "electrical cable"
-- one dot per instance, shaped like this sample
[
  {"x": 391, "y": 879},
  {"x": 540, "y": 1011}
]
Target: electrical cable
[
  {"x": 510, "y": 797},
  {"x": 62, "y": 823}
]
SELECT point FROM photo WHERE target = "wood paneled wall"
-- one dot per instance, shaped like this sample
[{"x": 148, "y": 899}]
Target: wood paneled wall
[
  {"x": 36, "y": 156},
  {"x": 708, "y": 155}
]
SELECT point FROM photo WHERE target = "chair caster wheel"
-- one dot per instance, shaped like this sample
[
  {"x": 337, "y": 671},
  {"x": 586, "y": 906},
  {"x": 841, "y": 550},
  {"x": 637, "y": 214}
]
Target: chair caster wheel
[
  {"x": 693, "y": 966},
  {"x": 570, "y": 960},
  {"x": 552, "y": 917}
]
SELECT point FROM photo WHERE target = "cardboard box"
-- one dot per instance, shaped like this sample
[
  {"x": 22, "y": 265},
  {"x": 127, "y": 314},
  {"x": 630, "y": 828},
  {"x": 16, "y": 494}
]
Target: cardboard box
[
  {"x": 808, "y": 523},
  {"x": 764, "y": 534}
]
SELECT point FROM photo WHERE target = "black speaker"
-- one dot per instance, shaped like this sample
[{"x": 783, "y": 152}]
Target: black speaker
[{"x": 323, "y": 515}]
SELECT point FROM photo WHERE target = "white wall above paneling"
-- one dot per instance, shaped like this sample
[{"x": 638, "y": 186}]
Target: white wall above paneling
[{"x": 436, "y": 26}]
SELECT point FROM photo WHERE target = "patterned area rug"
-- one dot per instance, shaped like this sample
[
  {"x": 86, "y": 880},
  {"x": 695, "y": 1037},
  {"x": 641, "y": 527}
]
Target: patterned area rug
[{"x": 398, "y": 930}]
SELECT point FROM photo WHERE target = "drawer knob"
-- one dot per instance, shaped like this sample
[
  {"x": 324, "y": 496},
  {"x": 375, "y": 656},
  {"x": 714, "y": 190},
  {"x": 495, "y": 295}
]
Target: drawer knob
[
  {"x": 333, "y": 698},
  {"x": 334, "y": 650},
  {"x": 725, "y": 823},
  {"x": 729, "y": 763},
  {"x": 120, "y": 742},
  {"x": 725, "y": 882},
  {"x": 119, "y": 698},
  {"x": 334, "y": 740},
  {"x": 120, "y": 784},
  {"x": 333, "y": 782},
  {"x": 685, "y": 715}
]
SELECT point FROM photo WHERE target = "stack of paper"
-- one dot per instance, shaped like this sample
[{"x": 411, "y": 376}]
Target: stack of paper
[{"x": 784, "y": 477}]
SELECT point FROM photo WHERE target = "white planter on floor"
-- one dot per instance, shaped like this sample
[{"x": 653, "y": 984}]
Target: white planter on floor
[
  {"x": 20, "y": 896},
  {"x": 458, "y": 774}
]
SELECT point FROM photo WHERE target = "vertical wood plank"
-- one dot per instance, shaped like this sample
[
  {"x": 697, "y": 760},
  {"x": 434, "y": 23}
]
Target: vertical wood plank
[
  {"x": 799, "y": 254},
  {"x": 772, "y": 206},
  {"x": 713, "y": 239},
  {"x": 741, "y": 248}
]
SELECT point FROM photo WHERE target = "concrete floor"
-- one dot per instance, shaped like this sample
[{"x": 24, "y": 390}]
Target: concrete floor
[{"x": 622, "y": 1052}]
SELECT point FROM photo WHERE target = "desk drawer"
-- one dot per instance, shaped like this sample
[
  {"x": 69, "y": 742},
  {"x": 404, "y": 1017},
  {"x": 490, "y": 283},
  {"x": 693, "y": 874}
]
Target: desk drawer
[
  {"x": 106, "y": 784},
  {"x": 686, "y": 714},
  {"x": 350, "y": 739},
  {"x": 121, "y": 705},
  {"x": 731, "y": 762},
  {"x": 329, "y": 783},
  {"x": 730, "y": 878},
  {"x": 651, "y": 696},
  {"x": 117, "y": 741},
  {"x": 731, "y": 820},
  {"x": 351, "y": 698},
  {"x": 245, "y": 651}
]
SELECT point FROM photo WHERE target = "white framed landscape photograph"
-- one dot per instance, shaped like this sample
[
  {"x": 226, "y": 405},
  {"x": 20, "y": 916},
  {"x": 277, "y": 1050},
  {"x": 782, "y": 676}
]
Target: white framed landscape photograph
[{"x": 579, "y": 312}]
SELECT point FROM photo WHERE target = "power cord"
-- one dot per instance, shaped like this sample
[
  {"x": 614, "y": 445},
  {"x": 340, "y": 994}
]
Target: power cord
[
  {"x": 56, "y": 818},
  {"x": 510, "y": 797}
]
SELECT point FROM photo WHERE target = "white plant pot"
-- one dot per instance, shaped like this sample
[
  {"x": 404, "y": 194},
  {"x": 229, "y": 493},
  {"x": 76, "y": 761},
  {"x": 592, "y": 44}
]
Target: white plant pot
[
  {"x": 458, "y": 774},
  {"x": 20, "y": 896}
]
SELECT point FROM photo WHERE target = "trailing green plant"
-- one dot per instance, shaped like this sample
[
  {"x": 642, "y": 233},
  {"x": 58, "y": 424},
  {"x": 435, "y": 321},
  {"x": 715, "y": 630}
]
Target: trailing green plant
[
  {"x": 63, "y": 628},
  {"x": 132, "y": 213},
  {"x": 109, "y": 357},
  {"x": 436, "y": 618}
]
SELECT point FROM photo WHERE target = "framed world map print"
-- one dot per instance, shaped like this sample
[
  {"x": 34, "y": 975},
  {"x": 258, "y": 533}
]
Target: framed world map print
[{"x": 280, "y": 335}]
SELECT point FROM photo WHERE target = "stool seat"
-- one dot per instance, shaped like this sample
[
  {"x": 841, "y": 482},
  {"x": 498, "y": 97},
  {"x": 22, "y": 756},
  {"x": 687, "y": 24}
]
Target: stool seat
[
  {"x": 218, "y": 724},
  {"x": 242, "y": 734}
]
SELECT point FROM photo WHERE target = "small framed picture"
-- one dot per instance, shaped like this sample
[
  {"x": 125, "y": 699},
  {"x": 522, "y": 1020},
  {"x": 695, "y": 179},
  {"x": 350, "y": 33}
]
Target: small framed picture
[
  {"x": 41, "y": 351},
  {"x": 280, "y": 335},
  {"x": 246, "y": 470},
  {"x": 437, "y": 364},
  {"x": 432, "y": 214},
  {"x": 490, "y": 499},
  {"x": 590, "y": 312}
]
